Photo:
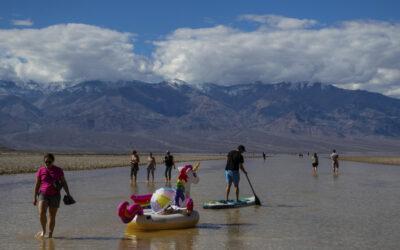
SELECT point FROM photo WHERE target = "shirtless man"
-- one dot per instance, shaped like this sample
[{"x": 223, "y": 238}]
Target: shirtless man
[{"x": 335, "y": 162}]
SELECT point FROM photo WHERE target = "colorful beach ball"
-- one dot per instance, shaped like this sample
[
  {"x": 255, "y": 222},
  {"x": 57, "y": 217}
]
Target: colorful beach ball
[{"x": 162, "y": 198}]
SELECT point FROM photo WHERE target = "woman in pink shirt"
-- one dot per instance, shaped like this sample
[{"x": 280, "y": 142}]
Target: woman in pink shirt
[{"x": 49, "y": 181}]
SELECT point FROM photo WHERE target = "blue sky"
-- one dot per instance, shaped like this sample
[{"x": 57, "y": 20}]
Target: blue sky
[
  {"x": 352, "y": 44},
  {"x": 151, "y": 19}
]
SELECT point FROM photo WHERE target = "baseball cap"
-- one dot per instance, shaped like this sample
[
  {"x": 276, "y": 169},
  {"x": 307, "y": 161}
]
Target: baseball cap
[{"x": 242, "y": 148}]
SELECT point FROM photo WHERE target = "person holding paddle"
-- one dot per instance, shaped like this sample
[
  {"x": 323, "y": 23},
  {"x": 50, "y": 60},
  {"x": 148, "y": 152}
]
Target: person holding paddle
[{"x": 233, "y": 164}]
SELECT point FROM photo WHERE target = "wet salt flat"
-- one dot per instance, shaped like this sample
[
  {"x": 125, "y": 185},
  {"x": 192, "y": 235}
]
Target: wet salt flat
[{"x": 359, "y": 209}]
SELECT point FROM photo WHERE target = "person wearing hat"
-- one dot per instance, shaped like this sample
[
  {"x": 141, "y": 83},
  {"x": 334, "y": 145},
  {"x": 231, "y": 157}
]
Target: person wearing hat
[{"x": 233, "y": 164}]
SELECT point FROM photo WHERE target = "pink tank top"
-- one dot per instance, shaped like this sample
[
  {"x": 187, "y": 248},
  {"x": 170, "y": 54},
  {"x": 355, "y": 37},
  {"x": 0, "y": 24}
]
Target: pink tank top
[{"x": 47, "y": 177}]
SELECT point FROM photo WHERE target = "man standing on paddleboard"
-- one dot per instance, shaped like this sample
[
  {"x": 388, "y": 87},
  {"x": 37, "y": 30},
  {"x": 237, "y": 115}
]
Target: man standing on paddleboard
[{"x": 234, "y": 162}]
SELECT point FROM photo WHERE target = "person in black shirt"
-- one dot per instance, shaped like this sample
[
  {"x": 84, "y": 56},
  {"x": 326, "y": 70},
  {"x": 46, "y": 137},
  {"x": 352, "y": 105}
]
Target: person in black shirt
[
  {"x": 169, "y": 163},
  {"x": 233, "y": 164}
]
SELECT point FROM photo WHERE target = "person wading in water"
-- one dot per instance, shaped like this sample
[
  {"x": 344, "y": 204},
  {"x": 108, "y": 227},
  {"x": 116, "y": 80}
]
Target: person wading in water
[
  {"x": 135, "y": 160},
  {"x": 335, "y": 162},
  {"x": 151, "y": 167},
  {"x": 169, "y": 163},
  {"x": 315, "y": 163},
  {"x": 46, "y": 195}
]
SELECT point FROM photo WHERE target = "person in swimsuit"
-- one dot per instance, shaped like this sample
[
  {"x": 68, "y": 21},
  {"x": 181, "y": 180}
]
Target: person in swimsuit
[
  {"x": 151, "y": 167},
  {"x": 46, "y": 195},
  {"x": 135, "y": 160}
]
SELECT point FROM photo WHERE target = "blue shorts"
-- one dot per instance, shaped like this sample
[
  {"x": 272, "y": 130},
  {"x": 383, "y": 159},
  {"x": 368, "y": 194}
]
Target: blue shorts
[{"x": 232, "y": 176}]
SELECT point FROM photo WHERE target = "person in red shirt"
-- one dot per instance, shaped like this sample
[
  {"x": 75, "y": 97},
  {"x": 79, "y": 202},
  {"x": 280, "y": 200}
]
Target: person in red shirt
[{"x": 49, "y": 181}]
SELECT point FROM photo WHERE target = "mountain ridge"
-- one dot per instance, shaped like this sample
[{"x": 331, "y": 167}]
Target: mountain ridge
[{"x": 210, "y": 117}]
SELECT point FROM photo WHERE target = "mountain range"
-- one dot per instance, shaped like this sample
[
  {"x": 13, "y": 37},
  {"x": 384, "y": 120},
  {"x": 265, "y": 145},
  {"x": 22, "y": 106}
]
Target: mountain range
[{"x": 119, "y": 116}]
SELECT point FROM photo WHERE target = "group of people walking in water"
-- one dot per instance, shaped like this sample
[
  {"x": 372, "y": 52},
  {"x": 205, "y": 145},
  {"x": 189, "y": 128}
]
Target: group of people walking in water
[
  {"x": 334, "y": 158},
  {"x": 151, "y": 166},
  {"x": 50, "y": 180}
]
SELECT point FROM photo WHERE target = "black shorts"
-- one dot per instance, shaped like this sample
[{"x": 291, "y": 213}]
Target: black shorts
[
  {"x": 52, "y": 200},
  {"x": 135, "y": 167},
  {"x": 315, "y": 165}
]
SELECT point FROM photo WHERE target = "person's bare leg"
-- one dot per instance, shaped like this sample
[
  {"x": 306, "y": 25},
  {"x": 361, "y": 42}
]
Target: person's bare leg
[
  {"x": 52, "y": 220},
  {"x": 42, "y": 207},
  {"x": 152, "y": 176},
  {"x": 228, "y": 189},
  {"x": 237, "y": 192},
  {"x": 148, "y": 175},
  {"x": 169, "y": 174}
]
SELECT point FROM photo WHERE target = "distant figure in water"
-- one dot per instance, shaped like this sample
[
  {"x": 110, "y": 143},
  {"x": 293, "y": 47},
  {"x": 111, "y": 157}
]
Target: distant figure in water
[
  {"x": 169, "y": 163},
  {"x": 151, "y": 167},
  {"x": 300, "y": 155},
  {"x": 315, "y": 163},
  {"x": 49, "y": 182},
  {"x": 335, "y": 162},
  {"x": 135, "y": 160},
  {"x": 264, "y": 156},
  {"x": 233, "y": 164}
]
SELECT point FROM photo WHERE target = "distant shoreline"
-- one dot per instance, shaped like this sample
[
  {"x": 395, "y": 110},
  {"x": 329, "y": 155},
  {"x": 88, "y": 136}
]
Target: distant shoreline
[
  {"x": 22, "y": 162},
  {"x": 385, "y": 160}
]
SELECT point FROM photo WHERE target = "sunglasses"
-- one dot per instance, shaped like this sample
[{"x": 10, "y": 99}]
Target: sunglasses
[{"x": 48, "y": 162}]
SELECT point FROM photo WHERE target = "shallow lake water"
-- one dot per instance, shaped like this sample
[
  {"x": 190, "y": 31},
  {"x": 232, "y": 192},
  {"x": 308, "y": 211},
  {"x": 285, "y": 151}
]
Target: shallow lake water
[{"x": 359, "y": 209}]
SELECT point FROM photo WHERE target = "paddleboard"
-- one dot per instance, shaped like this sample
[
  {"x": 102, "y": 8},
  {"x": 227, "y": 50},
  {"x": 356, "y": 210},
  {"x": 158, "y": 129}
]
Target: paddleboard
[{"x": 222, "y": 204}]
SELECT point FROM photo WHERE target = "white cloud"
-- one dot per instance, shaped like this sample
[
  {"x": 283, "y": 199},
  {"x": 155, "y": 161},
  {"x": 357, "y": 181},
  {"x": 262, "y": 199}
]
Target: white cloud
[
  {"x": 355, "y": 53},
  {"x": 22, "y": 22},
  {"x": 279, "y": 22},
  {"x": 69, "y": 52}
]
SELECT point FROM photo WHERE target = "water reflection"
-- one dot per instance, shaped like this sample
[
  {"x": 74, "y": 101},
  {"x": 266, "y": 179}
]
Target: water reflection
[
  {"x": 234, "y": 231},
  {"x": 46, "y": 244},
  {"x": 135, "y": 188},
  {"x": 151, "y": 187},
  {"x": 164, "y": 239}
]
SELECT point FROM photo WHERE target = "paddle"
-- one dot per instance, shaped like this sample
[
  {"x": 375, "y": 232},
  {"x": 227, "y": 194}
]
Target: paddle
[{"x": 252, "y": 189}]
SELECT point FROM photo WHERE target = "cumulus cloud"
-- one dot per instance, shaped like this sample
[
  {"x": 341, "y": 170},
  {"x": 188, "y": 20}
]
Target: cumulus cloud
[
  {"x": 69, "y": 52},
  {"x": 279, "y": 22},
  {"x": 22, "y": 22},
  {"x": 354, "y": 54}
]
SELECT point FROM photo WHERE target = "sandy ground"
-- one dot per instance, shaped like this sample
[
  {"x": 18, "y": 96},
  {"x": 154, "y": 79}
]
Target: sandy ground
[
  {"x": 19, "y": 162},
  {"x": 387, "y": 160}
]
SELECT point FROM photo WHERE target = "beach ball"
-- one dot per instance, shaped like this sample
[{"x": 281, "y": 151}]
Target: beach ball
[{"x": 162, "y": 198}]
